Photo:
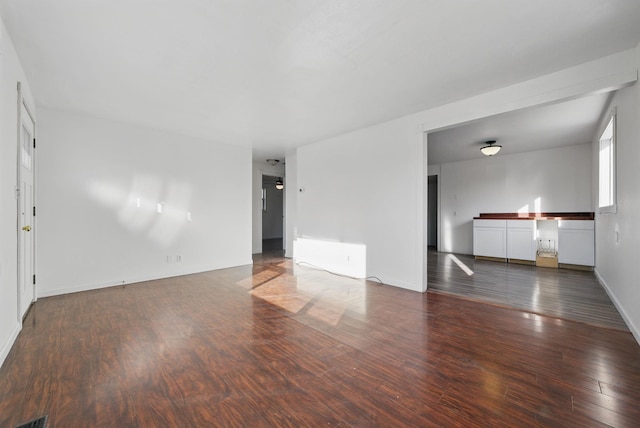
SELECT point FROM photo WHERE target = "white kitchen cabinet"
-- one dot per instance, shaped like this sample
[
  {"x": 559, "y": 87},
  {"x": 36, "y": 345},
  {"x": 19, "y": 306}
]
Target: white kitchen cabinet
[
  {"x": 490, "y": 238},
  {"x": 576, "y": 242},
  {"x": 521, "y": 239}
]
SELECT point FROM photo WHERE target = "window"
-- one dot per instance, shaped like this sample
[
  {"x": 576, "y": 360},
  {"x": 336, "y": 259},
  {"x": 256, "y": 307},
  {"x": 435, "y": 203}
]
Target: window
[
  {"x": 25, "y": 152},
  {"x": 607, "y": 168},
  {"x": 264, "y": 199}
]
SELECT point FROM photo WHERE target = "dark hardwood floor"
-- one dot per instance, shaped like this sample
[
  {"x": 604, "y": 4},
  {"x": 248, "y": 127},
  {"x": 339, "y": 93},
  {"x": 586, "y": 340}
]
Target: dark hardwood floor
[
  {"x": 561, "y": 293},
  {"x": 281, "y": 345},
  {"x": 272, "y": 247}
]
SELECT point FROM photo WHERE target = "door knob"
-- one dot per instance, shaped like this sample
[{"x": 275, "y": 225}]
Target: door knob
[{"x": 26, "y": 228}]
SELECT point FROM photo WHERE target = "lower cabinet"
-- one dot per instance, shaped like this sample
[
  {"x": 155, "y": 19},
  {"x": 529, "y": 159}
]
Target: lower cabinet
[
  {"x": 576, "y": 242},
  {"x": 521, "y": 239},
  {"x": 490, "y": 238},
  {"x": 516, "y": 239},
  {"x": 505, "y": 239}
]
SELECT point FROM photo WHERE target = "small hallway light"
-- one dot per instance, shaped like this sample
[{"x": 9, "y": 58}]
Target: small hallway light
[
  {"x": 279, "y": 184},
  {"x": 491, "y": 148}
]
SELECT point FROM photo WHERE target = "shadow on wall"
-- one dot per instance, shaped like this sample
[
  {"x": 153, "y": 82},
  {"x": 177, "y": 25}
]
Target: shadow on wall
[
  {"x": 537, "y": 207},
  {"x": 150, "y": 205}
]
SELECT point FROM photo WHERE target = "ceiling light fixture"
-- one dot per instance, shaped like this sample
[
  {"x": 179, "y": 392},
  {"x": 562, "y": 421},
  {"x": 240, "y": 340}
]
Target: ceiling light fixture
[
  {"x": 273, "y": 162},
  {"x": 490, "y": 149},
  {"x": 279, "y": 184}
]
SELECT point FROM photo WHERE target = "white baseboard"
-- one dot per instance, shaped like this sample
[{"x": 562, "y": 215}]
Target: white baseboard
[
  {"x": 6, "y": 347},
  {"x": 634, "y": 330},
  {"x": 133, "y": 280}
]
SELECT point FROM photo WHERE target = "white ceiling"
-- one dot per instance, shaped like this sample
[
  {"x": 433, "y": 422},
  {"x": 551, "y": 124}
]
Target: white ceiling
[
  {"x": 544, "y": 127},
  {"x": 276, "y": 74}
]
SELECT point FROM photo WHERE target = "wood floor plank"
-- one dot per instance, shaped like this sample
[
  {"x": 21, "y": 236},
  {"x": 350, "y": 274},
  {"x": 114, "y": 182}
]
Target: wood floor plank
[
  {"x": 275, "y": 344},
  {"x": 561, "y": 293}
]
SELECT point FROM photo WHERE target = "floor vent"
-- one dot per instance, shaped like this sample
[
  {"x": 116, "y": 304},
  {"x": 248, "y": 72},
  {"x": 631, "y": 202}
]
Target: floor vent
[{"x": 36, "y": 423}]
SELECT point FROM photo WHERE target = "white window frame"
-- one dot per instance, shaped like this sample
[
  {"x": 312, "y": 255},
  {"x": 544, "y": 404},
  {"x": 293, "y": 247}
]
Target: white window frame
[{"x": 607, "y": 166}]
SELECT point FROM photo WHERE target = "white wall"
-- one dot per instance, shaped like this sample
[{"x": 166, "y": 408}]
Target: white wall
[
  {"x": 291, "y": 204},
  {"x": 260, "y": 168},
  {"x": 365, "y": 188},
  {"x": 617, "y": 262},
  {"x": 91, "y": 231},
  {"x": 10, "y": 73},
  {"x": 375, "y": 192},
  {"x": 557, "y": 180}
]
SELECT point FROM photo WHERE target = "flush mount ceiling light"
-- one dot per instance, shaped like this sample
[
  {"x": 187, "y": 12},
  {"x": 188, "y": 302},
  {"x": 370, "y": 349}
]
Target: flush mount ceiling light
[
  {"x": 273, "y": 162},
  {"x": 279, "y": 184},
  {"x": 491, "y": 148}
]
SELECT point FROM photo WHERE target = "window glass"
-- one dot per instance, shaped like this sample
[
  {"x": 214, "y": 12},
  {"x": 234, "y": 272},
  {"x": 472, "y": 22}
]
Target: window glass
[
  {"x": 607, "y": 168},
  {"x": 25, "y": 149}
]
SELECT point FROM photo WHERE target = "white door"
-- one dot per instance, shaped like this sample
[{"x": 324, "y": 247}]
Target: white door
[{"x": 26, "y": 279}]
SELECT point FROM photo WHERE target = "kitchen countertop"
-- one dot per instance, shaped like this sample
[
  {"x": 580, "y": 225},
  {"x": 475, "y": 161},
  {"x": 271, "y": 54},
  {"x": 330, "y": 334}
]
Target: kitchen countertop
[{"x": 537, "y": 216}]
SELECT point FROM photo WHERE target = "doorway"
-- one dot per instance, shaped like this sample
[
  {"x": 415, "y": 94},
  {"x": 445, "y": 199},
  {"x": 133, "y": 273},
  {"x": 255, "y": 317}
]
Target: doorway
[
  {"x": 272, "y": 215},
  {"x": 26, "y": 208},
  {"x": 432, "y": 212}
]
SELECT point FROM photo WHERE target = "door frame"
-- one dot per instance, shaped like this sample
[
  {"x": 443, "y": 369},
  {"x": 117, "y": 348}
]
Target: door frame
[
  {"x": 23, "y": 104},
  {"x": 433, "y": 226}
]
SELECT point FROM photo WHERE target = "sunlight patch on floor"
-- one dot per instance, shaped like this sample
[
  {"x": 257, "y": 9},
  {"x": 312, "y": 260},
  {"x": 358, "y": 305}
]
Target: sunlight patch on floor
[
  {"x": 461, "y": 265},
  {"x": 317, "y": 294},
  {"x": 258, "y": 279}
]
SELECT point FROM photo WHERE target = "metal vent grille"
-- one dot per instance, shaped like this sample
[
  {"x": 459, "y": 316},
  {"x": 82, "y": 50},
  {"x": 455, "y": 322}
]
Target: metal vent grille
[{"x": 40, "y": 422}]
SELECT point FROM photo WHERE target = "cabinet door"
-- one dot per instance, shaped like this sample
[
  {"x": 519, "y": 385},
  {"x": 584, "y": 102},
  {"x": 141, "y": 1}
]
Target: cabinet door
[
  {"x": 576, "y": 247},
  {"x": 576, "y": 242},
  {"x": 490, "y": 238},
  {"x": 521, "y": 243}
]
